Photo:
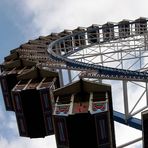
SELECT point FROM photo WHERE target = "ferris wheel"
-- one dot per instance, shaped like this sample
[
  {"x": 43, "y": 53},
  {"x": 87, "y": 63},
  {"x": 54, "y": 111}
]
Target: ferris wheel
[{"x": 113, "y": 53}]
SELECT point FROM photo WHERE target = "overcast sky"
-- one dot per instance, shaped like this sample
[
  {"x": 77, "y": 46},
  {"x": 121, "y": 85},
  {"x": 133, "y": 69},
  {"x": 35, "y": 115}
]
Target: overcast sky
[{"x": 22, "y": 20}]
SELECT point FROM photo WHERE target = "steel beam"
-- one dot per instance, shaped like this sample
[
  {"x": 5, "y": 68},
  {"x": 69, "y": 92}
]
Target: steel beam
[{"x": 132, "y": 122}]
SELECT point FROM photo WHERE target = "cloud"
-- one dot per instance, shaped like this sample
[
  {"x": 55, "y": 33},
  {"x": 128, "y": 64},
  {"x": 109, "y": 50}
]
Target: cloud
[
  {"x": 125, "y": 134},
  {"x": 41, "y": 17},
  {"x": 28, "y": 143},
  {"x": 57, "y": 15},
  {"x": 9, "y": 134}
]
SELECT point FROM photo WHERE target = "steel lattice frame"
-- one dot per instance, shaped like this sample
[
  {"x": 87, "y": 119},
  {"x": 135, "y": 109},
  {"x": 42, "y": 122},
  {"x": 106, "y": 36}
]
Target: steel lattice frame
[
  {"x": 124, "y": 58},
  {"x": 119, "y": 54}
]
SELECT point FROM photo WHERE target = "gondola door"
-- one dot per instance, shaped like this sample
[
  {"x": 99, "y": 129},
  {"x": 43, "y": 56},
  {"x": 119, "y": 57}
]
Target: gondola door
[
  {"x": 19, "y": 114},
  {"x": 47, "y": 110}
]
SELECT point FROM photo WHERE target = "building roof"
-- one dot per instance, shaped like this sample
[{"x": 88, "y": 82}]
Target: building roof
[{"x": 86, "y": 86}]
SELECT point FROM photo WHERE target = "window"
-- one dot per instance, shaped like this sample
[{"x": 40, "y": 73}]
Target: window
[
  {"x": 7, "y": 100},
  {"x": 17, "y": 102},
  {"x": 103, "y": 129},
  {"x": 49, "y": 123},
  {"x": 61, "y": 131},
  {"x": 99, "y": 96},
  {"x": 21, "y": 126},
  {"x": 45, "y": 98},
  {"x": 4, "y": 84}
]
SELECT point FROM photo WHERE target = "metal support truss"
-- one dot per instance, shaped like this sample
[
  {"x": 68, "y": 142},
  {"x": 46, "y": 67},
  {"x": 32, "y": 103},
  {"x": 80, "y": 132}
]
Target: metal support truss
[
  {"x": 122, "y": 53},
  {"x": 116, "y": 56},
  {"x": 130, "y": 142}
]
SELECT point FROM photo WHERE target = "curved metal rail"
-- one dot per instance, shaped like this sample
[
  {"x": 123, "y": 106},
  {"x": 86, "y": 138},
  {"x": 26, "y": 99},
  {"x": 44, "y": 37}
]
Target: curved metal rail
[{"x": 98, "y": 71}]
